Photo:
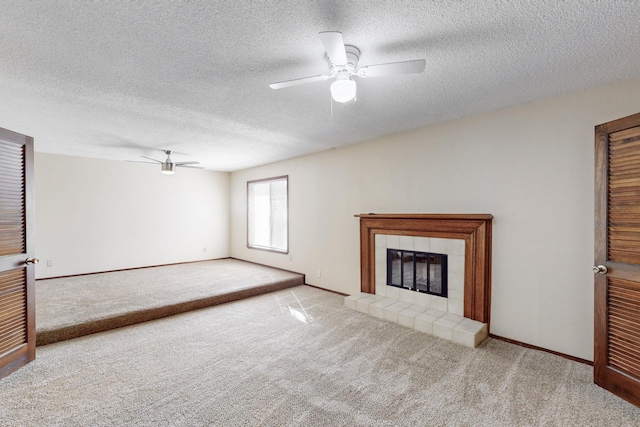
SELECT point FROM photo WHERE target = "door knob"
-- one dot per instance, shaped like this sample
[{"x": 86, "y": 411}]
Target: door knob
[
  {"x": 600, "y": 269},
  {"x": 30, "y": 261}
]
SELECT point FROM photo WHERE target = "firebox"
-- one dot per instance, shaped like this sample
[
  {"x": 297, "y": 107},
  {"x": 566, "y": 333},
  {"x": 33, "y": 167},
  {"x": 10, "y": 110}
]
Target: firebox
[{"x": 417, "y": 271}]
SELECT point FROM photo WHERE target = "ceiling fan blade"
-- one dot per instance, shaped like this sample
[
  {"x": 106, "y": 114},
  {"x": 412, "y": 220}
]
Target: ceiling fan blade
[
  {"x": 186, "y": 163},
  {"x": 145, "y": 157},
  {"x": 140, "y": 161},
  {"x": 406, "y": 67},
  {"x": 334, "y": 46},
  {"x": 188, "y": 166},
  {"x": 296, "y": 82}
]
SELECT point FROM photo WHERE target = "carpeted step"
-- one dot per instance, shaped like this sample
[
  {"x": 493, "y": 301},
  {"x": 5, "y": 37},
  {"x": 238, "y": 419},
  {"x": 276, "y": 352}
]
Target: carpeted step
[
  {"x": 72, "y": 307},
  {"x": 91, "y": 327}
]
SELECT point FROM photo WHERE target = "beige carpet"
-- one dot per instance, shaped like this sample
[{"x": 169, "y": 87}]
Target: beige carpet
[
  {"x": 297, "y": 357},
  {"x": 75, "y": 306}
]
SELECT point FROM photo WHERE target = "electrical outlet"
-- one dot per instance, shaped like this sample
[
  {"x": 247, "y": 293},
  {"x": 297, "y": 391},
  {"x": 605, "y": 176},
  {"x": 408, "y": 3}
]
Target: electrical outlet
[
  {"x": 204, "y": 250},
  {"x": 49, "y": 263},
  {"x": 318, "y": 273}
]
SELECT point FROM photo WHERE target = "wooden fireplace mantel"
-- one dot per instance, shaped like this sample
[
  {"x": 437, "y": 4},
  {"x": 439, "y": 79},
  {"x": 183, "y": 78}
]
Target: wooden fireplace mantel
[{"x": 475, "y": 229}]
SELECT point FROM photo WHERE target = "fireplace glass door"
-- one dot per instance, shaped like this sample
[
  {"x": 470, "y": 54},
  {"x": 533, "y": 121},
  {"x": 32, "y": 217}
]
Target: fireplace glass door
[{"x": 417, "y": 271}]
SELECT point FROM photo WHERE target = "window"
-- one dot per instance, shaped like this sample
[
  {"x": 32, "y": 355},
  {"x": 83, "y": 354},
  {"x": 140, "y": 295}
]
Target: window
[{"x": 267, "y": 214}]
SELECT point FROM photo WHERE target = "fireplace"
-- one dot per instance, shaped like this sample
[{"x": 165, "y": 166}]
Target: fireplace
[
  {"x": 471, "y": 236},
  {"x": 429, "y": 272}
]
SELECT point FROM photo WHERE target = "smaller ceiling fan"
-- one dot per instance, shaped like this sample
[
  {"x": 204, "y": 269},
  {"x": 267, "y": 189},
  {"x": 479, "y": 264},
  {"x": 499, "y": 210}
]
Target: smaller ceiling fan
[
  {"x": 168, "y": 166},
  {"x": 343, "y": 65}
]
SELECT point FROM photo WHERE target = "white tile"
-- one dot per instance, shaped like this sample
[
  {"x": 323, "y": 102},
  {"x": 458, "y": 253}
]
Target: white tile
[
  {"x": 455, "y": 294},
  {"x": 455, "y": 281},
  {"x": 407, "y": 316},
  {"x": 381, "y": 288},
  {"x": 422, "y": 244},
  {"x": 455, "y": 306},
  {"x": 391, "y": 311},
  {"x": 470, "y": 333},
  {"x": 443, "y": 327},
  {"x": 406, "y": 243},
  {"x": 442, "y": 331},
  {"x": 380, "y": 255},
  {"x": 422, "y": 299},
  {"x": 380, "y": 274},
  {"x": 423, "y": 322},
  {"x": 362, "y": 305},
  {"x": 434, "y": 312},
  {"x": 406, "y": 296},
  {"x": 438, "y": 245},
  {"x": 392, "y": 292},
  {"x": 453, "y": 318},
  {"x": 469, "y": 325},
  {"x": 438, "y": 303},
  {"x": 455, "y": 263},
  {"x": 393, "y": 241},
  {"x": 376, "y": 309},
  {"x": 455, "y": 247},
  {"x": 381, "y": 241},
  {"x": 351, "y": 300}
]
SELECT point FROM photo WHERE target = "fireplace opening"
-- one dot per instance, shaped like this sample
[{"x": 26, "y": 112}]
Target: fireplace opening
[{"x": 417, "y": 271}]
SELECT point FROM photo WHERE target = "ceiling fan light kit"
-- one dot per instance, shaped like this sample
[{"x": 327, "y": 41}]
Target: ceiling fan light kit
[
  {"x": 343, "y": 90},
  {"x": 168, "y": 168},
  {"x": 343, "y": 64}
]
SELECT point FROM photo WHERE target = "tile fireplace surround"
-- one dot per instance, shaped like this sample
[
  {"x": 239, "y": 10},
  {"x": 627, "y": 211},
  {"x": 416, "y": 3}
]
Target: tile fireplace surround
[{"x": 463, "y": 317}]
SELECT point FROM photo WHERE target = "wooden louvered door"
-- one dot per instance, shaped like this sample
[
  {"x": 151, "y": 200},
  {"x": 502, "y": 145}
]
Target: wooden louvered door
[
  {"x": 617, "y": 258},
  {"x": 17, "y": 277}
]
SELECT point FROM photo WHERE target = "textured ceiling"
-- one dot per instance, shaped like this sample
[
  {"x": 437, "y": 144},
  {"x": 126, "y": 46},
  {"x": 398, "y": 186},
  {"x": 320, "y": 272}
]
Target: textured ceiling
[{"x": 120, "y": 79}]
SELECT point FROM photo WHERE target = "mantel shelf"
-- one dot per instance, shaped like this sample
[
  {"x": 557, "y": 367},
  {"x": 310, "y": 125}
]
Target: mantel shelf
[{"x": 441, "y": 217}]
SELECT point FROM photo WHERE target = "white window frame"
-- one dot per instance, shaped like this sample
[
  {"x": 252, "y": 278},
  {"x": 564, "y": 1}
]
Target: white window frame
[{"x": 274, "y": 209}]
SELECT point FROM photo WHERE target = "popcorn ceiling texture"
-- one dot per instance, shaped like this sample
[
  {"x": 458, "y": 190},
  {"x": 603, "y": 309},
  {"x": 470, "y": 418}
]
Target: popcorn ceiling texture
[{"x": 121, "y": 79}]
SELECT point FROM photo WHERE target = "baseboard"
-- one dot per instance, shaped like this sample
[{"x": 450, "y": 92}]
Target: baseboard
[
  {"x": 535, "y": 347},
  {"x": 328, "y": 290}
]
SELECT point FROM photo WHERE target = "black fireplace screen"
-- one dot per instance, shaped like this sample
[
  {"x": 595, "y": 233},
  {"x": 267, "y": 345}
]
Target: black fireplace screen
[{"x": 418, "y": 271}]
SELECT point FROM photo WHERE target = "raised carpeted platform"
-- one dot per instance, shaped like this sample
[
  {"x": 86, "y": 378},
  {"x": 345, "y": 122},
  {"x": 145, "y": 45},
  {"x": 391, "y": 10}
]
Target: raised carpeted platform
[{"x": 71, "y": 307}]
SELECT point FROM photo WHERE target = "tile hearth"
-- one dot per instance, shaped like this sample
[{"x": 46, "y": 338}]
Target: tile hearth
[{"x": 449, "y": 326}]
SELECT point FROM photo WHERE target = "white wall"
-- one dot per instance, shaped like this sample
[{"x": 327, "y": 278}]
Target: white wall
[
  {"x": 99, "y": 215},
  {"x": 530, "y": 166}
]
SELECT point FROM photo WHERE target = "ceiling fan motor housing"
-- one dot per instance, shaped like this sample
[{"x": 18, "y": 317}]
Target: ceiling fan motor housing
[{"x": 353, "y": 56}]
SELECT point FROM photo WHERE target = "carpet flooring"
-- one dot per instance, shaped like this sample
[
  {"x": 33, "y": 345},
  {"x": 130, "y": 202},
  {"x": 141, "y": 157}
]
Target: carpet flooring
[
  {"x": 71, "y": 307},
  {"x": 298, "y": 357}
]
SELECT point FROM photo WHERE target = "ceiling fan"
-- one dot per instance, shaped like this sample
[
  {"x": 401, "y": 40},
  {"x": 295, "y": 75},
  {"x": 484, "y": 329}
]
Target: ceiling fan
[
  {"x": 343, "y": 66},
  {"x": 168, "y": 166}
]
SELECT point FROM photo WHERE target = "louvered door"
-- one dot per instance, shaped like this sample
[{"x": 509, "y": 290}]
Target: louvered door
[
  {"x": 617, "y": 258},
  {"x": 17, "y": 297}
]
